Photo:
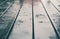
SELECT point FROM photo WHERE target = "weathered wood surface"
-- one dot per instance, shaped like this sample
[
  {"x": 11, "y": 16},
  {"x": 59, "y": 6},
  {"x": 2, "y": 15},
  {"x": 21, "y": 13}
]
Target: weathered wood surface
[{"x": 37, "y": 20}]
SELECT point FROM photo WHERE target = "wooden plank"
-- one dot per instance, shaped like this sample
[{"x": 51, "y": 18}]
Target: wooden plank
[
  {"x": 43, "y": 27},
  {"x": 23, "y": 25},
  {"x": 54, "y": 15},
  {"x": 7, "y": 20},
  {"x": 56, "y": 4}
]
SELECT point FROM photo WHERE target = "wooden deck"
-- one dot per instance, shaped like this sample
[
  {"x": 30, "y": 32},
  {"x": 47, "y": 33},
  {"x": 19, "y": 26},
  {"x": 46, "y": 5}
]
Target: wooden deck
[{"x": 32, "y": 19}]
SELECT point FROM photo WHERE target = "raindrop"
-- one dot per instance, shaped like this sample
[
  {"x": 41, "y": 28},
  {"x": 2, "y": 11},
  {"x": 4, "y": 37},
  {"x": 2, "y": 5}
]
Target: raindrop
[
  {"x": 48, "y": 1},
  {"x": 20, "y": 21},
  {"x": 37, "y": 15},
  {"x": 53, "y": 19},
  {"x": 58, "y": 5},
  {"x": 40, "y": 21}
]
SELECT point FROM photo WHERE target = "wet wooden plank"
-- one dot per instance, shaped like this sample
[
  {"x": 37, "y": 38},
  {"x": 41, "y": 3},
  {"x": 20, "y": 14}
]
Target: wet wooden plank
[
  {"x": 6, "y": 21},
  {"x": 54, "y": 15},
  {"x": 43, "y": 27},
  {"x": 23, "y": 25}
]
